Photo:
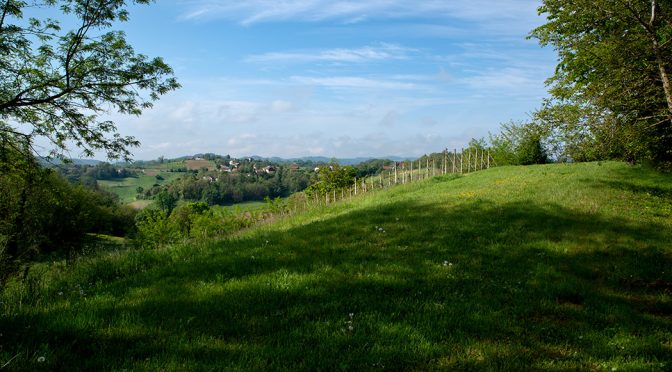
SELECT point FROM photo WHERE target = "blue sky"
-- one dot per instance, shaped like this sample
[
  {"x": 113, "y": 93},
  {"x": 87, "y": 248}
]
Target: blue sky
[{"x": 336, "y": 78}]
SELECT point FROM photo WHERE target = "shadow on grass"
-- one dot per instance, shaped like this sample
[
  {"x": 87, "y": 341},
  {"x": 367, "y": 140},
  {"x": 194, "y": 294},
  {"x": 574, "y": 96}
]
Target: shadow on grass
[
  {"x": 399, "y": 286},
  {"x": 640, "y": 180}
]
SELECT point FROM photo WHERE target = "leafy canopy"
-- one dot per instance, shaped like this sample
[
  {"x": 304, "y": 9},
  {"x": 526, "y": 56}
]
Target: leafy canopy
[
  {"x": 62, "y": 84},
  {"x": 614, "y": 60}
]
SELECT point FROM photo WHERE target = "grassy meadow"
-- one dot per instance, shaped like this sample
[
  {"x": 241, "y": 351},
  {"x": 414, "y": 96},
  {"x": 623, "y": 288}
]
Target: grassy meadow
[
  {"x": 126, "y": 188},
  {"x": 565, "y": 266}
]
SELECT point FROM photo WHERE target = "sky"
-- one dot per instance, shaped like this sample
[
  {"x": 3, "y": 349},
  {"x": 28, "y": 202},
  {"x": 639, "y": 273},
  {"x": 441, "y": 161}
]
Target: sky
[{"x": 356, "y": 78}]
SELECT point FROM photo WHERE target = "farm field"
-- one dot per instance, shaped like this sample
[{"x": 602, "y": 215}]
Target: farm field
[
  {"x": 126, "y": 187},
  {"x": 198, "y": 164},
  {"x": 560, "y": 267}
]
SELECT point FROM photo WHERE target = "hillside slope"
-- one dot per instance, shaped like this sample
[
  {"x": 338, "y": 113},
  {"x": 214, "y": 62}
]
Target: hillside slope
[{"x": 558, "y": 266}]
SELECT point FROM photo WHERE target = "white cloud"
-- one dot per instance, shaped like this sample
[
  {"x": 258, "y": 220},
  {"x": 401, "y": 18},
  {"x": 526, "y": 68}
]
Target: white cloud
[
  {"x": 282, "y": 106},
  {"x": 354, "y": 82},
  {"x": 511, "y": 81},
  {"x": 381, "y": 52},
  {"x": 349, "y": 11}
]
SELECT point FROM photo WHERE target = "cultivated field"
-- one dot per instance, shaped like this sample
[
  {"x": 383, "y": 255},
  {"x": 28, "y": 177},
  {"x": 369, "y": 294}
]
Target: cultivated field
[{"x": 198, "y": 164}]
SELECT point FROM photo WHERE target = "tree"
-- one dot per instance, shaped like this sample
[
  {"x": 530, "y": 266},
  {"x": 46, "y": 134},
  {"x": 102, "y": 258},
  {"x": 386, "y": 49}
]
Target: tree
[
  {"x": 520, "y": 144},
  {"x": 60, "y": 84},
  {"x": 615, "y": 57},
  {"x": 166, "y": 201}
]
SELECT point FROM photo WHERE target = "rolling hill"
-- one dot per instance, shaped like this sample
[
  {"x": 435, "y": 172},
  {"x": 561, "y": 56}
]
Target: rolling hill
[{"x": 564, "y": 266}]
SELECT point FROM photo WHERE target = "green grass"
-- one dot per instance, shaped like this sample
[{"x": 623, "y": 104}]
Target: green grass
[
  {"x": 514, "y": 268},
  {"x": 126, "y": 187},
  {"x": 239, "y": 207}
]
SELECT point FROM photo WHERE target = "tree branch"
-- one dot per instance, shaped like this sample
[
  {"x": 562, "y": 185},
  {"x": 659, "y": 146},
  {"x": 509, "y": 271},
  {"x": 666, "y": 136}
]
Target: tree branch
[{"x": 4, "y": 14}]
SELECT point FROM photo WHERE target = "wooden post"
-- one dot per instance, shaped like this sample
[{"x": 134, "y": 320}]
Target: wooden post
[
  {"x": 468, "y": 161},
  {"x": 395, "y": 172},
  {"x": 488, "y": 159},
  {"x": 476, "y": 160},
  {"x": 482, "y": 158},
  {"x": 445, "y": 160},
  {"x": 462, "y": 161},
  {"x": 470, "y": 158},
  {"x": 355, "y": 186}
]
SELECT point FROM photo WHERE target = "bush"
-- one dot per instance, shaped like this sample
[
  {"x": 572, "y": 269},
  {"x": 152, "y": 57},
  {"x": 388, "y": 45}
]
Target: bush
[{"x": 155, "y": 229}]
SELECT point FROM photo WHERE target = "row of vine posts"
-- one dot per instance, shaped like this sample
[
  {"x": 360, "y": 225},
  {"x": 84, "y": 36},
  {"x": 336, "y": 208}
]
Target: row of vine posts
[{"x": 404, "y": 172}]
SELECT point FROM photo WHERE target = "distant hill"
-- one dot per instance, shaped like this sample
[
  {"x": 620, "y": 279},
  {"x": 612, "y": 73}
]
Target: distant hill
[
  {"x": 314, "y": 159},
  {"x": 54, "y": 162},
  {"x": 324, "y": 159}
]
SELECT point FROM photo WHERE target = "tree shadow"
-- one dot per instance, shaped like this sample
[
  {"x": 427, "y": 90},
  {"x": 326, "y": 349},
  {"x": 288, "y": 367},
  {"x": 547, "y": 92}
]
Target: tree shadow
[{"x": 407, "y": 285}]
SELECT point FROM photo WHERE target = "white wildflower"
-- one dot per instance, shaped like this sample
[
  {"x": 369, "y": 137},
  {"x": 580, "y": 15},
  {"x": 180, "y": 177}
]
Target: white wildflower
[{"x": 41, "y": 359}]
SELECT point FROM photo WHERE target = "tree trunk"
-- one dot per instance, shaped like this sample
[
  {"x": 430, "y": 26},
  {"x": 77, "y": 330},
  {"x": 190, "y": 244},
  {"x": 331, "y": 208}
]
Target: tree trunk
[
  {"x": 667, "y": 88},
  {"x": 665, "y": 78}
]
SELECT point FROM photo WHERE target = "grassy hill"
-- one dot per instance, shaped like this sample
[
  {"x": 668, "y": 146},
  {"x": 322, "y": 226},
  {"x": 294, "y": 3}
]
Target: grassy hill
[
  {"x": 543, "y": 267},
  {"x": 126, "y": 188}
]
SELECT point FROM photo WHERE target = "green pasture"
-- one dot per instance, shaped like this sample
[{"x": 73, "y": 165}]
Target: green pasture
[
  {"x": 126, "y": 187},
  {"x": 554, "y": 267}
]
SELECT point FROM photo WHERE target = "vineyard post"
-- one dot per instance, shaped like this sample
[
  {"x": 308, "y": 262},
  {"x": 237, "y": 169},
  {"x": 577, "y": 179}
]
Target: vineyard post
[
  {"x": 445, "y": 160},
  {"x": 395, "y": 172},
  {"x": 482, "y": 158}
]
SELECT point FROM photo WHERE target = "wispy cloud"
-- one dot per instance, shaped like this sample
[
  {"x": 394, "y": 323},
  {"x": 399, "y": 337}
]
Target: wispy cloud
[
  {"x": 508, "y": 81},
  {"x": 381, "y": 52},
  {"x": 350, "y": 11},
  {"x": 354, "y": 82}
]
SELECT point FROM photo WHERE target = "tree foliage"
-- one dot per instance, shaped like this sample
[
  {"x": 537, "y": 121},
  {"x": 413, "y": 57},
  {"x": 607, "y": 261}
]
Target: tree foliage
[
  {"x": 332, "y": 177},
  {"x": 40, "y": 212},
  {"x": 612, "y": 80},
  {"x": 519, "y": 144},
  {"x": 62, "y": 84}
]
